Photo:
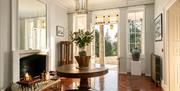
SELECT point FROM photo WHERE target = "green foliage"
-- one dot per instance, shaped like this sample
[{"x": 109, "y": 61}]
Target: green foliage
[
  {"x": 114, "y": 50},
  {"x": 135, "y": 34},
  {"x": 110, "y": 47},
  {"x": 136, "y": 51},
  {"x": 81, "y": 38},
  {"x": 136, "y": 54},
  {"x": 97, "y": 43}
]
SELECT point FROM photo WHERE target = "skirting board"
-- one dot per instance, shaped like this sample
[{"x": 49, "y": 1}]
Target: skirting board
[
  {"x": 122, "y": 72},
  {"x": 164, "y": 86},
  {"x": 148, "y": 74},
  {"x": 130, "y": 73}
]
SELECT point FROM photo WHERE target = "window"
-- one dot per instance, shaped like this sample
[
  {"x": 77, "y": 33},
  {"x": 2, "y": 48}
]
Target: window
[
  {"x": 79, "y": 22},
  {"x": 136, "y": 31},
  {"x": 109, "y": 25}
]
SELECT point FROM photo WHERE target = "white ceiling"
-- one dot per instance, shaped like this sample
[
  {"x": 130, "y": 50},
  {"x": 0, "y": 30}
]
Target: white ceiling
[{"x": 103, "y": 4}]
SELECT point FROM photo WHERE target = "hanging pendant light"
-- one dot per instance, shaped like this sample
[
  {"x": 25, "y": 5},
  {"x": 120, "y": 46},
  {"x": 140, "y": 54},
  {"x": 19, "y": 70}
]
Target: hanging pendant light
[{"x": 81, "y": 6}]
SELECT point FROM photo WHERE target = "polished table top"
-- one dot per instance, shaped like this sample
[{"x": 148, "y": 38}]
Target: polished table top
[{"x": 72, "y": 71}]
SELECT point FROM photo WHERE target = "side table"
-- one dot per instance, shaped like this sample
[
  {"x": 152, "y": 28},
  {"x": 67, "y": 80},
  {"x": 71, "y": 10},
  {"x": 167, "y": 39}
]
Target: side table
[{"x": 72, "y": 71}]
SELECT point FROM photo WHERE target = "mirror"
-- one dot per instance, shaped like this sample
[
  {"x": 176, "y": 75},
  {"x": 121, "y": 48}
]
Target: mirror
[{"x": 32, "y": 25}]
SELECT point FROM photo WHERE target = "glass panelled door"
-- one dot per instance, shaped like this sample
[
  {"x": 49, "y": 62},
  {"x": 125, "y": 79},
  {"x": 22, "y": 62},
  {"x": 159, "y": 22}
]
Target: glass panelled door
[{"x": 106, "y": 43}]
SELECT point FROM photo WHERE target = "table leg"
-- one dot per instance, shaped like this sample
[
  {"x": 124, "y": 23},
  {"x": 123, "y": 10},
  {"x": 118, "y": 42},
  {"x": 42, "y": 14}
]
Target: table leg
[{"x": 84, "y": 83}]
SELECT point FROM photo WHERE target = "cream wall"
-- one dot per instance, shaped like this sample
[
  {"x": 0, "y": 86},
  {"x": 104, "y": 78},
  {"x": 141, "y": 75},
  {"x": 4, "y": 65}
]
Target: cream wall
[
  {"x": 124, "y": 62},
  {"x": 159, "y": 8},
  {"x": 149, "y": 39},
  {"x": 57, "y": 16},
  {"x": 122, "y": 42},
  {"x": 158, "y": 46},
  {"x": 70, "y": 22},
  {"x": 5, "y": 44},
  {"x": 125, "y": 58}
]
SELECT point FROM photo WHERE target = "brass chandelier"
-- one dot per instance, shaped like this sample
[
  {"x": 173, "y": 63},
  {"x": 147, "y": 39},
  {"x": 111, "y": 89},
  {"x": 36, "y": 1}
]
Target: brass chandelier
[{"x": 81, "y": 6}]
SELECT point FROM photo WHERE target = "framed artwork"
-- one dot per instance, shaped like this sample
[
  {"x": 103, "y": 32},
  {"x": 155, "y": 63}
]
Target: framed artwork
[
  {"x": 158, "y": 28},
  {"x": 60, "y": 31}
]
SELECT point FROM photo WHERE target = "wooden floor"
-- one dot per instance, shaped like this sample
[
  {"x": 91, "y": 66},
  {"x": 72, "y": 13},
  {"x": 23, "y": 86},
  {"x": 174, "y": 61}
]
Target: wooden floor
[{"x": 114, "y": 82}]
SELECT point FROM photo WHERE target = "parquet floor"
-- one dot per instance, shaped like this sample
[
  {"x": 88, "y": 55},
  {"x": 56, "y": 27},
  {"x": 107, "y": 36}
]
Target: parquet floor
[
  {"x": 136, "y": 83},
  {"x": 114, "y": 82}
]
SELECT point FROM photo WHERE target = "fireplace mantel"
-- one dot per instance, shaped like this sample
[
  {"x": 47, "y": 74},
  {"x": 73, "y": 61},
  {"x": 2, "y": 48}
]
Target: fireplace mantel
[{"x": 17, "y": 54}]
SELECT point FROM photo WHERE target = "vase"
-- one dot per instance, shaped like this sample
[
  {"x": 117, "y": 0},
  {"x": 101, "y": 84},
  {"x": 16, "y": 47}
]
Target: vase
[
  {"x": 83, "y": 61},
  {"x": 82, "y": 51}
]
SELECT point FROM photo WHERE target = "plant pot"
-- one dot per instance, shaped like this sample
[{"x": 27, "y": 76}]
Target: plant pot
[
  {"x": 136, "y": 54},
  {"x": 83, "y": 61},
  {"x": 136, "y": 57}
]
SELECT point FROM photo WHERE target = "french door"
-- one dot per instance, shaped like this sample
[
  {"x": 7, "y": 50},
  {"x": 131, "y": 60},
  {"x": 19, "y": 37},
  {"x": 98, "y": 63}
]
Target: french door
[{"x": 106, "y": 43}]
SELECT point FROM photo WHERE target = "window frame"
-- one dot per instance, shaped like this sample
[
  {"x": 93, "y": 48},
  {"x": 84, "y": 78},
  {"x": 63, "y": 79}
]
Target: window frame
[{"x": 136, "y": 10}]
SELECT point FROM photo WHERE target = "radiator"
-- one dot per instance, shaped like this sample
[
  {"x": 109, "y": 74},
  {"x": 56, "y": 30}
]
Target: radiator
[{"x": 156, "y": 69}]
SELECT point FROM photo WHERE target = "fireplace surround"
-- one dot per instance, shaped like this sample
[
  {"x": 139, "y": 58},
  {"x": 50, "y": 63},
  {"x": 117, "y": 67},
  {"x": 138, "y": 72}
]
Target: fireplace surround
[{"x": 31, "y": 61}]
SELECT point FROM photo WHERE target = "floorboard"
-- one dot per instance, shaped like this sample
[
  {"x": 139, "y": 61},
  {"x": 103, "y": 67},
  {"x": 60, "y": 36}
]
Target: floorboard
[{"x": 114, "y": 82}]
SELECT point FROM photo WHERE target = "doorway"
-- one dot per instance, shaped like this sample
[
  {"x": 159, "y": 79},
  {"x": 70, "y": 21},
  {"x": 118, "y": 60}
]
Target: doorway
[
  {"x": 106, "y": 44},
  {"x": 172, "y": 45}
]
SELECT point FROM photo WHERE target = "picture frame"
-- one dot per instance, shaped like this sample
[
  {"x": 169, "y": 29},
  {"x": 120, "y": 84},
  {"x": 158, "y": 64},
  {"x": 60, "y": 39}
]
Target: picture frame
[
  {"x": 158, "y": 28},
  {"x": 60, "y": 31}
]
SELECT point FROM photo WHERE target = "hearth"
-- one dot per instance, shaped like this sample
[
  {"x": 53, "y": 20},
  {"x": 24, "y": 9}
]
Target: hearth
[{"x": 34, "y": 65}]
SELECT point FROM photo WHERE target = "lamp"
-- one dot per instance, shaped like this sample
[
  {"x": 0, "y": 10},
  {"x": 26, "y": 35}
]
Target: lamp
[{"x": 81, "y": 6}]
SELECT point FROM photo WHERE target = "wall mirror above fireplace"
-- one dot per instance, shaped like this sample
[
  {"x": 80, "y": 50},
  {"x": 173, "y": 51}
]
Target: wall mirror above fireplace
[{"x": 32, "y": 25}]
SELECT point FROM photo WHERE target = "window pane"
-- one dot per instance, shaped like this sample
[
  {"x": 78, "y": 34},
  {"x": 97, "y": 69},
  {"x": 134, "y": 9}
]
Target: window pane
[
  {"x": 110, "y": 35},
  {"x": 138, "y": 26},
  {"x": 131, "y": 16},
  {"x": 97, "y": 29},
  {"x": 138, "y": 46},
  {"x": 132, "y": 38},
  {"x": 132, "y": 46},
  {"x": 139, "y": 15},
  {"x": 132, "y": 25},
  {"x": 138, "y": 38},
  {"x": 135, "y": 20}
]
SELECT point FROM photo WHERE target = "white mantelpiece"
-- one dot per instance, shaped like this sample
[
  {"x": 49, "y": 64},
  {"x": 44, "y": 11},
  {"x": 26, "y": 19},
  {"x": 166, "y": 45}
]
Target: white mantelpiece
[{"x": 16, "y": 61}]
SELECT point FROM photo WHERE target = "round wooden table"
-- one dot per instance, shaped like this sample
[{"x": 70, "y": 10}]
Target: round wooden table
[{"x": 72, "y": 71}]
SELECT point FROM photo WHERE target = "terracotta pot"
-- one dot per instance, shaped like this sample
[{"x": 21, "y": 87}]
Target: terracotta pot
[{"x": 83, "y": 61}]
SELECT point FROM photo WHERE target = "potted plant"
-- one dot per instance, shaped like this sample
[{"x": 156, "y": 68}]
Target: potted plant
[
  {"x": 136, "y": 54},
  {"x": 82, "y": 39}
]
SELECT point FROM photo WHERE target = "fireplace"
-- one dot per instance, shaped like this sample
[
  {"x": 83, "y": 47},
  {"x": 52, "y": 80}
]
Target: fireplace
[
  {"x": 34, "y": 65},
  {"x": 31, "y": 61}
]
